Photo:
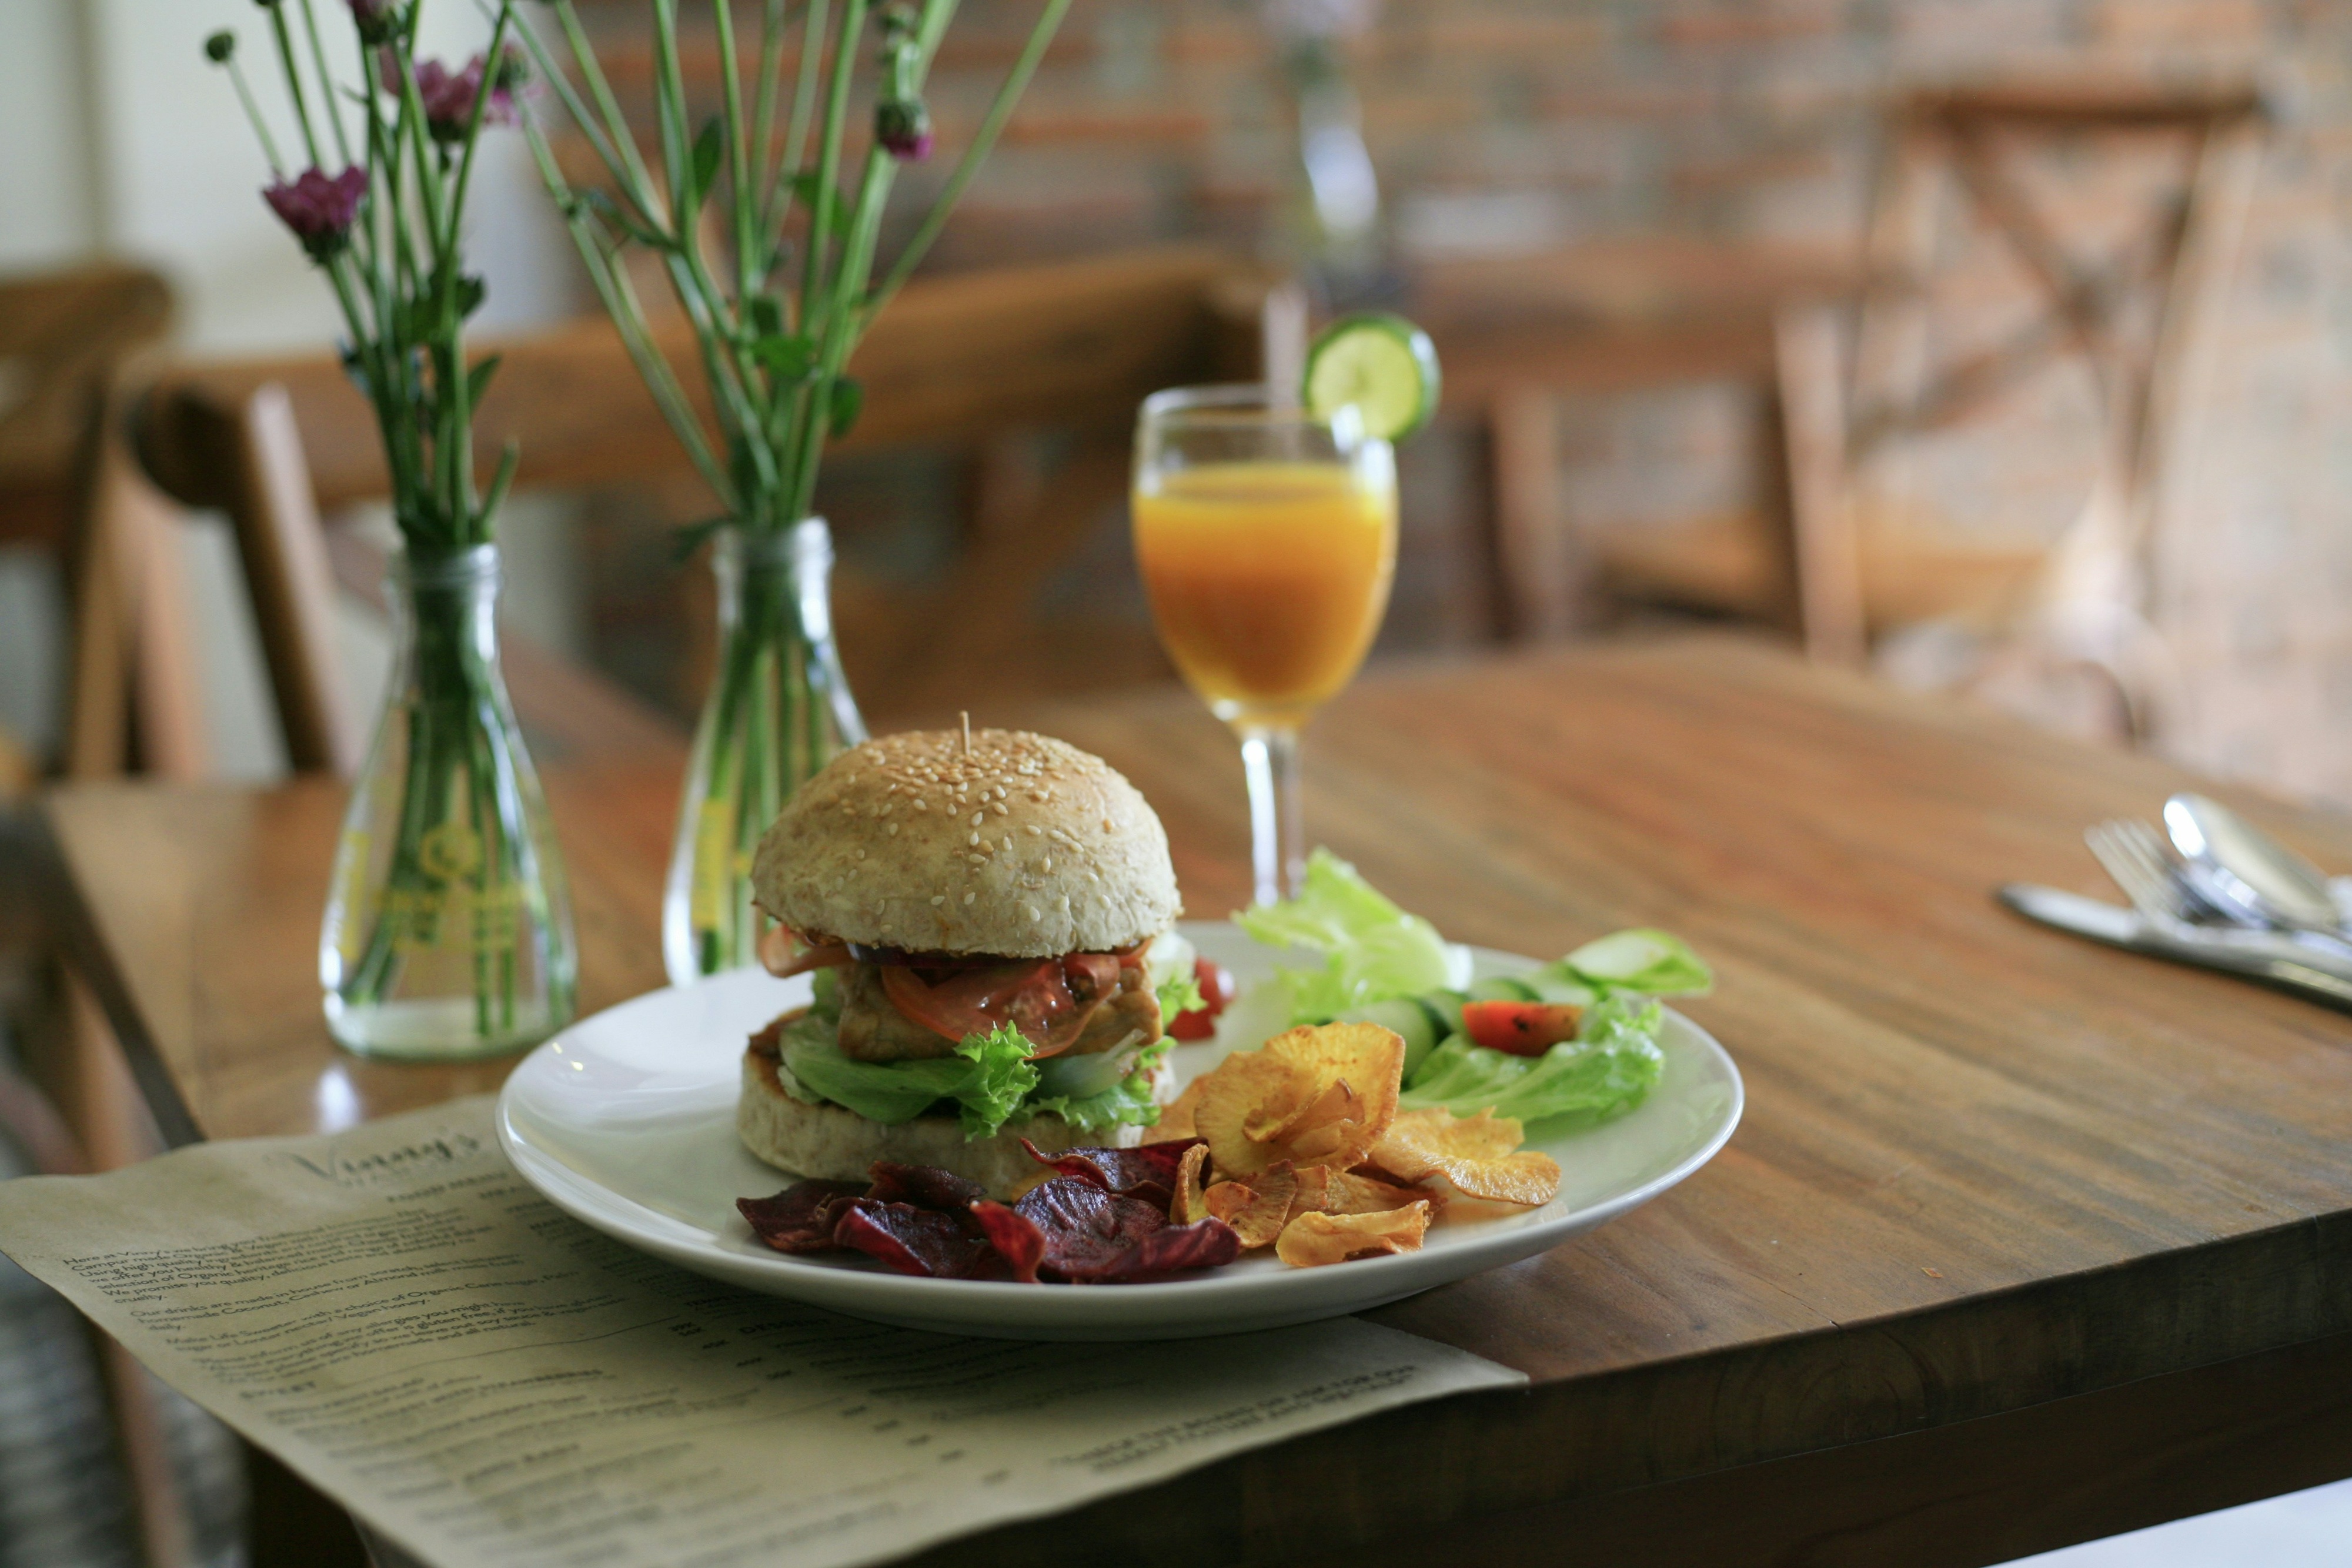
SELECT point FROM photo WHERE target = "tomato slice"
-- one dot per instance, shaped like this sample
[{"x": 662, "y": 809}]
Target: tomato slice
[
  {"x": 781, "y": 953},
  {"x": 1217, "y": 993},
  {"x": 1048, "y": 999},
  {"x": 1521, "y": 1029}
]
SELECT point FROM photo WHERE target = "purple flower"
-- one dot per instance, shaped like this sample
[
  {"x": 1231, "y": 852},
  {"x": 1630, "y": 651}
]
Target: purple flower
[
  {"x": 377, "y": 19},
  {"x": 320, "y": 210},
  {"x": 904, "y": 128},
  {"x": 448, "y": 96}
]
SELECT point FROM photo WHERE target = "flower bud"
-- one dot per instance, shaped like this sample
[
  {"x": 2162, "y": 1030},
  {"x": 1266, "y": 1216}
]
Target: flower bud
[
  {"x": 221, "y": 47},
  {"x": 903, "y": 126},
  {"x": 377, "y": 20},
  {"x": 320, "y": 209}
]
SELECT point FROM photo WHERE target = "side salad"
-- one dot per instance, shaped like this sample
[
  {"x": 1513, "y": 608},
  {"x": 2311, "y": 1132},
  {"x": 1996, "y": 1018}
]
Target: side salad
[{"x": 1574, "y": 1042}]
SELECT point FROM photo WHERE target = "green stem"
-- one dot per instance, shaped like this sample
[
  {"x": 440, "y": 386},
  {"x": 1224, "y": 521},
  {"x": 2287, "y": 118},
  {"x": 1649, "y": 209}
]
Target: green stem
[
  {"x": 326, "y": 82},
  {"x": 285, "y": 38},
  {"x": 813, "y": 28},
  {"x": 828, "y": 162},
  {"x": 253, "y": 113},
  {"x": 999, "y": 111},
  {"x": 740, "y": 180}
]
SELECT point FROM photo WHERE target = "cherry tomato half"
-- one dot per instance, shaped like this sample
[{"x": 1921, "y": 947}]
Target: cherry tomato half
[
  {"x": 1217, "y": 992},
  {"x": 1522, "y": 1029}
]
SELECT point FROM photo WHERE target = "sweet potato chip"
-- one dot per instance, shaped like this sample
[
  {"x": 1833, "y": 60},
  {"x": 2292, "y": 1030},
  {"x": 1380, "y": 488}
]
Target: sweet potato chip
[
  {"x": 1316, "y": 1096},
  {"x": 1192, "y": 1203},
  {"x": 1367, "y": 1058},
  {"x": 1175, "y": 1117},
  {"x": 1480, "y": 1155},
  {"x": 1322, "y": 1190},
  {"x": 1257, "y": 1209},
  {"x": 1312, "y": 1241},
  {"x": 1245, "y": 1099}
]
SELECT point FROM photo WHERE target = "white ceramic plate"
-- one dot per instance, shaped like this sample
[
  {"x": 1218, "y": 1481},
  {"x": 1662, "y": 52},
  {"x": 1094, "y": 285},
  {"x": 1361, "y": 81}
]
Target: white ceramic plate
[{"x": 626, "y": 1122}]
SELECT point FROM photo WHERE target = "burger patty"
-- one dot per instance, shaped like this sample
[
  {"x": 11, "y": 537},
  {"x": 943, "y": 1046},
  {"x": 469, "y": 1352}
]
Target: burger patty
[{"x": 873, "y": 1030}]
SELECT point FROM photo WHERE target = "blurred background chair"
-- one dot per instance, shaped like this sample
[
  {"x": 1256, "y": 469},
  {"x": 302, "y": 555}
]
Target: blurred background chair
[{"x": 1026, "y": 378}]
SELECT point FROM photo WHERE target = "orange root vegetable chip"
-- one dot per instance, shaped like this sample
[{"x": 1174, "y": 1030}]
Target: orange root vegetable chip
[
  {"x": 1257, "y": 1209},
  {"x": 1176, "y": 1117},
  {"x": 1480, "y": 1155},
  {"x": 1319, "y": 1096},
  {"x": 1367, "y": 1058},
  {"x": 1312, "y": 1241},
  {"x": 1191, "y": 1204},
  {"x": 1322, "y": 1190}
]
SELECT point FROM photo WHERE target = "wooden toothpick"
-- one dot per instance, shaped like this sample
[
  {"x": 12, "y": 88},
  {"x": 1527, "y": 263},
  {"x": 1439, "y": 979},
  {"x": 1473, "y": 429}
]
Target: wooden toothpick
[{"x": 967, "y": 733}]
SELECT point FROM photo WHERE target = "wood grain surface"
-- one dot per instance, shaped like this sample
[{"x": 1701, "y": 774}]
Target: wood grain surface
[{"x": 1985, "y": 1169}]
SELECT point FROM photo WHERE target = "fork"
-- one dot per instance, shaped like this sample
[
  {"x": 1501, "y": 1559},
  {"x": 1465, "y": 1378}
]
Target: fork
[{"x": 2131, "y": 853}]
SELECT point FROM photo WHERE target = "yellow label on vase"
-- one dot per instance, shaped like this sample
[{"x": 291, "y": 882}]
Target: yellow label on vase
[
  {"x": 714, "y": 867},
  {"x": 348, "y": 912}
]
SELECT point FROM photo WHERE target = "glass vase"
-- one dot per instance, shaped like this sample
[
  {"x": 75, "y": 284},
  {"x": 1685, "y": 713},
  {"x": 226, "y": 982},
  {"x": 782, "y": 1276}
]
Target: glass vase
[
  {"x": 779, "y": 709},
  {"x": 448, "y": 925}
]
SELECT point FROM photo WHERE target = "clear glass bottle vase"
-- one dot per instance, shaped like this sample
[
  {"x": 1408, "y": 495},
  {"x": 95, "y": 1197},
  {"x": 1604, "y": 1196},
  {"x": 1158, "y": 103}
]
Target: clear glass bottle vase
[
  {"x": 779, "y": 709},
  {"x": 448, "y": 925}
]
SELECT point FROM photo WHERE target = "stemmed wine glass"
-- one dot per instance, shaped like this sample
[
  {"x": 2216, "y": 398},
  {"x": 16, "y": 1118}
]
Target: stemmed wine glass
[{"x": 1267, "y": 536}]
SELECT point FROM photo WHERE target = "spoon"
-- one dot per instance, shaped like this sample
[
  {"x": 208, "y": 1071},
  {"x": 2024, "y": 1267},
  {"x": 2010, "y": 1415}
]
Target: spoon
[{"x": 2240, "y": 863}]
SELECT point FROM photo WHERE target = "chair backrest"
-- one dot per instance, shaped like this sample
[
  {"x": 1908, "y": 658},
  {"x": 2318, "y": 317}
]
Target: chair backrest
[
  {"x": 955, "y": 359},
  {"x": 2126, "y": 313}
]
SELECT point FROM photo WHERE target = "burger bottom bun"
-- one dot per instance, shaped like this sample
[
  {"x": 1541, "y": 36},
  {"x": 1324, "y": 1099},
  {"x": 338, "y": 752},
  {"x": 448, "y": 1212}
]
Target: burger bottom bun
[{"x": 834, "y": 1144}]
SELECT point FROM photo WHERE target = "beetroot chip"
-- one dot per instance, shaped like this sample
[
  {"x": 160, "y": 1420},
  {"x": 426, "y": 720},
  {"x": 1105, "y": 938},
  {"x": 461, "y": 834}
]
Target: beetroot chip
[
  {"x": 915, "y": 1240},
  {"x": 1148, "y": 1173},
  {"x": 1089, "y": 1232},
  {"x": 1015, "y": 1236},
  {"x": 801, "y": 1217},
  {"x": 1204, "y": 1244},
  {"x": 925, "y": 1186}
]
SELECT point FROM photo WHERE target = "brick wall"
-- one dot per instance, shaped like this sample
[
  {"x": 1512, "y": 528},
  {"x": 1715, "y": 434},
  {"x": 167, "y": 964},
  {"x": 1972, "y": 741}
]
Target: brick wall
[{"x": 1504, "y": 123}]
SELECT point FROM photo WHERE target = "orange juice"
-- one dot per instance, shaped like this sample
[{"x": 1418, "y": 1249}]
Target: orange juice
[{"x": 1267, "y": 579}]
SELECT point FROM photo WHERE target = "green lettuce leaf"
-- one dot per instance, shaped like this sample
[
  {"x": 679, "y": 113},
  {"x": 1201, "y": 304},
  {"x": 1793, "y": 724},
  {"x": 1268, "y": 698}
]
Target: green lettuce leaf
[
  {"x": 1002, "y": 1078},
  {"x": 1605, "y": 1072},
  {"x": 987, "y": 1077},
  {"x": 1127, "y": 1104},
  {"x": 1372, "y": 950},
  {"x": 1179, "y": 993}
]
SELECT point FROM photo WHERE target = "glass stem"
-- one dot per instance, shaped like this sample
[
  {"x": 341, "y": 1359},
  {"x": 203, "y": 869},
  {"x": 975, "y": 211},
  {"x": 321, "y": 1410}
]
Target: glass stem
[{"x": 1278, "y": 846}]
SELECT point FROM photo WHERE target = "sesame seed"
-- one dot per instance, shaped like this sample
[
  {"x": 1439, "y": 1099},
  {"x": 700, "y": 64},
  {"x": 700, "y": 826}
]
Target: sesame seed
[
  {"x": 894, "y": 830},
  {"x": 922, "y": 804},
  {"x": 975, "y": 838},
  {"x": 970, "y": 896},
  {"x": 937, "y": 901},
  {"x": 861, "y": 854},
  {"x": 1032, "y": 912},
  {"x": 1046, "y": 865},
  {"x": 978, "y": 818},
  {"x": 1003, "y": 810}
]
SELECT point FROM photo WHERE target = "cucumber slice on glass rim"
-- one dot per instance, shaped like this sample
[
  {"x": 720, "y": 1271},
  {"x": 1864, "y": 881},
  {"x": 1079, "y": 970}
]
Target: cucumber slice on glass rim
[{"x": 1381, "y": 363}]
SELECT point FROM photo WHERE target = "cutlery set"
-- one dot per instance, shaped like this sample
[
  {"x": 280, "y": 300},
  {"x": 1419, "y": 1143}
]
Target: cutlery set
[{"x": 2212, "y": 891}]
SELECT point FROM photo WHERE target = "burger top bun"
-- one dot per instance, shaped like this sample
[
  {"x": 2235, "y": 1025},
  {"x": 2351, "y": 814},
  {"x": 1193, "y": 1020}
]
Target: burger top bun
[{"x": 1019, "y": 845}]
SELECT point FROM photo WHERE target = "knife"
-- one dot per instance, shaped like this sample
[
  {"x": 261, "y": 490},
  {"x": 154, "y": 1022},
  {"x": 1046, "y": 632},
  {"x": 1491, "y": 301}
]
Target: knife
[{"x": 2253, "y": 955}]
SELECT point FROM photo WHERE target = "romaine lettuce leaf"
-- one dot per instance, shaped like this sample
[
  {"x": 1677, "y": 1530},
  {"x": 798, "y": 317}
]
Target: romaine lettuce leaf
[
  {"x": 1606, "y": 1071},
  {"x": 1372, "y": 950},
  {"x": 1127, "y": 1104},
  {"x": 987, "y": 1078}
]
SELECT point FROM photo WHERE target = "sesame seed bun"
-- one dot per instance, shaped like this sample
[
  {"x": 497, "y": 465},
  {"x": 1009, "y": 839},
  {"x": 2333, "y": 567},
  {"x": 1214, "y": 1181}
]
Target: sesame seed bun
[
  {"x": 1016, "y": 845},
  {"x": 834, "y": 1144}
]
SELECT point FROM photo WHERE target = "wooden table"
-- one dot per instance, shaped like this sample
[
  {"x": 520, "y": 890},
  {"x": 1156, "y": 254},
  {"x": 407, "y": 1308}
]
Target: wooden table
[{"x": 2023, "y": 1241}]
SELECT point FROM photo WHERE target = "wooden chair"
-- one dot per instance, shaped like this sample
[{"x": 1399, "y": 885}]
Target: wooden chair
[
  {"x": 2131, "y": 315},
  {"x": 964, "y": 362}
]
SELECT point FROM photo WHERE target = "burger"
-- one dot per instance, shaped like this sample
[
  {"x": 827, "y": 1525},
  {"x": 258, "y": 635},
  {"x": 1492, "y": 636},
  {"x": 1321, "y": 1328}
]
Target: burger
[{"x": 987, "y": 917}]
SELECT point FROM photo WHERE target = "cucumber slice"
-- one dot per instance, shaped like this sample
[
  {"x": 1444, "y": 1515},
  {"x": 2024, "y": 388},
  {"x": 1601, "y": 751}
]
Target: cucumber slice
[
  {"x": 1503, "y": 988},
  {"x": 1408, "y": 1019},
  {"x": 1558, "y": 983},
  {"x": 1445, "y": 1007},
  {"x": 1383, "y": 364}
]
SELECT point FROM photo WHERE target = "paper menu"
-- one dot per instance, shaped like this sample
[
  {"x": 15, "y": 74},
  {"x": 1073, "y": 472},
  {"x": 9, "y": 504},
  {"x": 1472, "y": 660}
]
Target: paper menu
[{"x": 394, "y": 1312}]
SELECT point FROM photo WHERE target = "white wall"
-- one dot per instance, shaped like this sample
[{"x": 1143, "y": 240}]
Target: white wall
[{"x": 48, "y": 211}]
